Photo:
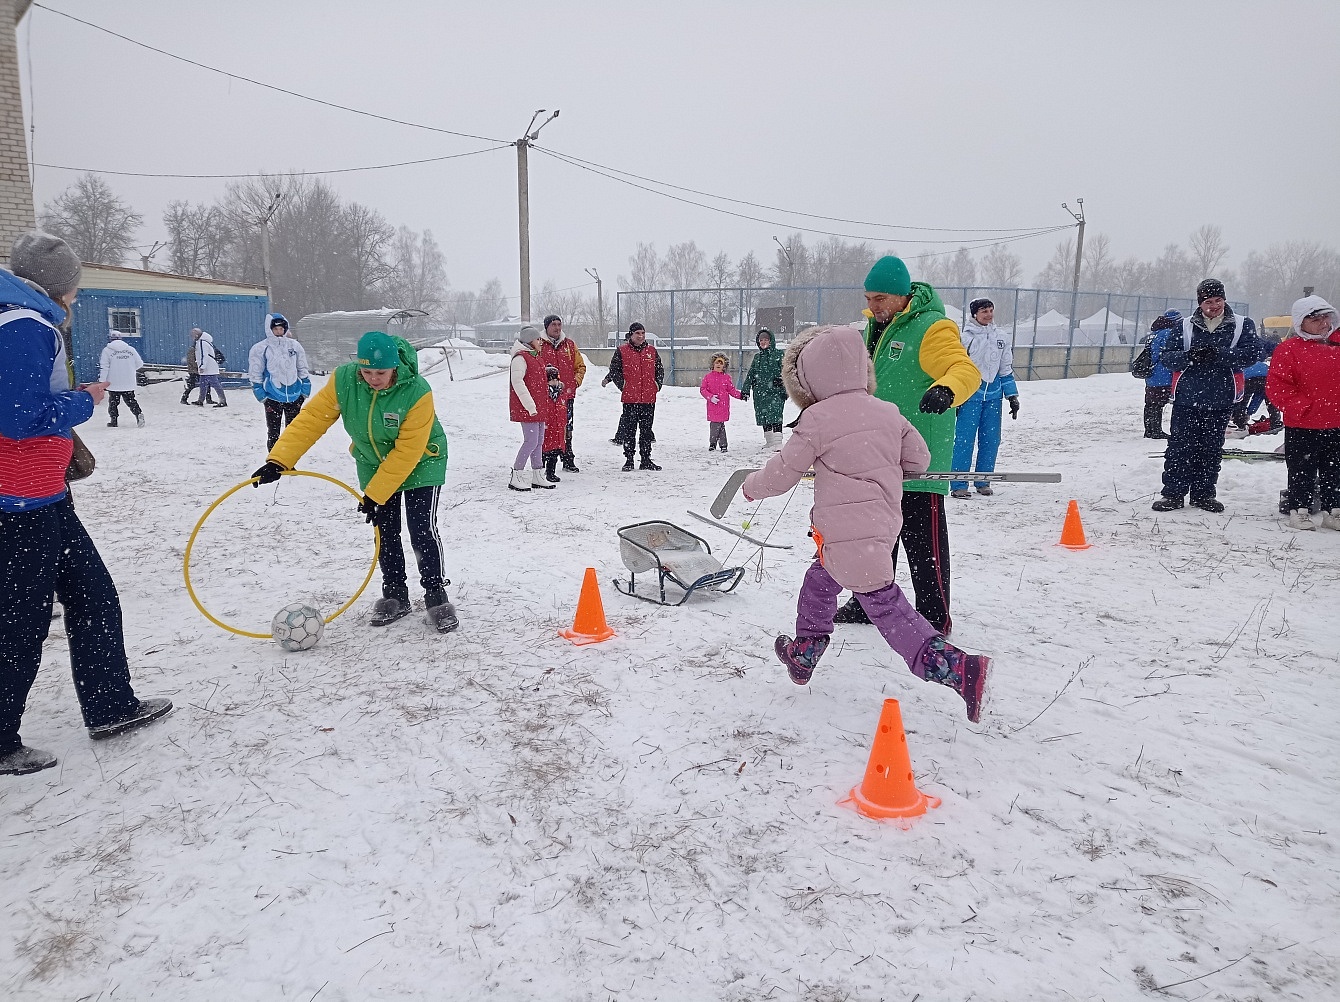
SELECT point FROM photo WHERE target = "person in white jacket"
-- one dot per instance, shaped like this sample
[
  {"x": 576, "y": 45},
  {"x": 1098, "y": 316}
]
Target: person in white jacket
[
  {"x": 119, "y": 367},
  {"x": 978, "y": 421},
  {"x": 277, "y": 367},
  {"x": 207, "y": 361}
]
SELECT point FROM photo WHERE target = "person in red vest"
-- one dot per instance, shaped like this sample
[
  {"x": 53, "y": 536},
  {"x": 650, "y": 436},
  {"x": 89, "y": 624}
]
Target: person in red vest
[
  {"x": 528, "y": 405},
  {"x": 636, "y": 370},
  {"x": 558, "y": 350}
]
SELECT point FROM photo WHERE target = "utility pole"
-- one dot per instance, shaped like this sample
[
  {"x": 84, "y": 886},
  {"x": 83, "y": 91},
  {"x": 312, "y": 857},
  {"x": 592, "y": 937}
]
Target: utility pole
[
  {"x": 523, "y": 204},
  {"x": 790, "y": 267},
  {"x": 158, "y": 245},
  {"x": 1079, "y": 260},
  {"x": 600, "y": 304},
  {"x": 265, "y": 241}
]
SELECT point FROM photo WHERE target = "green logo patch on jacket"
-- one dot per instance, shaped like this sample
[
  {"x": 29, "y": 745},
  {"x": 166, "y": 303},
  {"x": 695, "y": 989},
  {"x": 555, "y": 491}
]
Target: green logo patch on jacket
[
  {"x": 895, "y": 350},
  {"x": 390, "y": 419}
]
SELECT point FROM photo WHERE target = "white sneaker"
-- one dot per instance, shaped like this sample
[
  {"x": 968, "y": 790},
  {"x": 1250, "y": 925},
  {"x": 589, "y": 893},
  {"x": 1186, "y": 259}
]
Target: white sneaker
[
  {"x": 1301, "y": 518},
  {"x": 520, "y": 480},
  {"x": 1331, "y": 519}
]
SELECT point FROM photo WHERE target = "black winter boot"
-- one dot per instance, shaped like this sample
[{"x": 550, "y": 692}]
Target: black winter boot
[
  {"x": 441, "y": 613},
  {"x": 852, "y": 612},
  {"x": 550, "y": 461}
]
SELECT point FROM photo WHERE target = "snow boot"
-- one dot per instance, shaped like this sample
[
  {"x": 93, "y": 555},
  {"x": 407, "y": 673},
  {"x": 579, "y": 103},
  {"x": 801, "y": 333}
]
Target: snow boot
[
  {"x": 570, "y": 465},
  {"x": 1301, "y": 518},
  {"x": 1157, "y": 436},
  {"x": 139, "y": 420},
  {"x": 963, "y": 672},
  {"x": 23, "y": 760},
  {"x": 1331, "y": 519},
  {"x": 540, "y": 480},
  {"x": 111, "y": 424},
  {"x": 647, "y": 464},
  {"x": 852, "y": 612},
  {"x": 386, "y": 611},
  {"x": 1208, "y": 504},
  {"x": 197, "y": 403},
  {"x": 962, "y": 493},
  {"x": 149, "y": 709},
  {"x": 1166, "y": 503},
  {"x": 520, "y": 481},
  {"x": 628, "y": 465},
  {"x": 986, "y": 491},
  {"x": 800, "y": 656},
  {"x": 441, "y": 613},
  {"x": 218, "y": 406},
  {"x": 550, "y": 462}
]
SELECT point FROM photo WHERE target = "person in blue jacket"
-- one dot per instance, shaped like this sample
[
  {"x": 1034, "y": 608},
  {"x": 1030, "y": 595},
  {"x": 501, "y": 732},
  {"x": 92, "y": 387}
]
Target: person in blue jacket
[
  {"x": 277, "y": 367},
  {"x": 44, "y": 548},
  {"x": 1159, "y": 380},
  {"x": 978, "y": 418},
  {"x": 1206, "y": 357}
]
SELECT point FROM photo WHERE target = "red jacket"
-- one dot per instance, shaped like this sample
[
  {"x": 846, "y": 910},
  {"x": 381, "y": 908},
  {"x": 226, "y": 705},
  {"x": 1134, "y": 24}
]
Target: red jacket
[
  {"x": 637, "y": 374},
  {"x": 1304, "y": 382},
  {"x": 536, "y": 384},
  {"x": 567, "y": 359}
]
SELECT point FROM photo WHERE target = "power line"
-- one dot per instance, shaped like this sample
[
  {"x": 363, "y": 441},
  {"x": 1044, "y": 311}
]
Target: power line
[
  {"x": 977, "y": 242},
  {"x": 268, "y": 86},
  {"x": 337, "y": 170},
  {"x": 789, "y": 212}
]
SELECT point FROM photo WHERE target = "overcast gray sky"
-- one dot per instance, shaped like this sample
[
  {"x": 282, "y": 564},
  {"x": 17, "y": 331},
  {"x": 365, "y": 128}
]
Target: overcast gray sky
[{"x": 1162, "y": 115}]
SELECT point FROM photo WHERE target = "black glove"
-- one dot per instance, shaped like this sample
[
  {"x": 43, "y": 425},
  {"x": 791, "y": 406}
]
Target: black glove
[
  {"x": 267, "y": 474},
  {"x": 1014, "y": 408},
  {"x": 371, "y": 509},
  {"x": 1203, "y": 354},
  {"x": 937, "y": 400},
  {"x": 777, "y": 382},
  {"x": 744, "y": 396}
]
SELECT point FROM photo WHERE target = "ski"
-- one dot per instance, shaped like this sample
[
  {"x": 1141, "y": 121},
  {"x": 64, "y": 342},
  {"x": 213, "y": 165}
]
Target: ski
[
  {"x": 723, "y": 499},
  {"x": 736, "y": 532},
  {"x": 1248, "y": 455}
]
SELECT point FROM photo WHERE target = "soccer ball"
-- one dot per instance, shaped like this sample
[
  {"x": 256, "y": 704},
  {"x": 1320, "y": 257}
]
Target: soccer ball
[{"x": 297, "y": 627}]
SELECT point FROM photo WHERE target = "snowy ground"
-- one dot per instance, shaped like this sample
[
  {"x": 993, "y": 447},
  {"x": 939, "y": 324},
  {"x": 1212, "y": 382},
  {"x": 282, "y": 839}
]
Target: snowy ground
[{"x": 495, "y": 812}]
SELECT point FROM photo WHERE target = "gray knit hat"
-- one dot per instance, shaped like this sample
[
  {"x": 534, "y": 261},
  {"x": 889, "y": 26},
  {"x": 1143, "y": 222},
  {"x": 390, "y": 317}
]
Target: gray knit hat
[{"x": 46, "y": 260}]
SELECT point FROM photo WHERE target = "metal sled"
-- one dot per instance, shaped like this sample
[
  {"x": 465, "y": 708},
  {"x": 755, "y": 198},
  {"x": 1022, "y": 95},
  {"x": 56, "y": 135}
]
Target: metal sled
[{"x": 674, "y": 555}]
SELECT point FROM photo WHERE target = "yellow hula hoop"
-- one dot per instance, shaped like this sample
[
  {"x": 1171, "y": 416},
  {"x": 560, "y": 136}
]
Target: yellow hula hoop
[{"x": 190, "y": 543}]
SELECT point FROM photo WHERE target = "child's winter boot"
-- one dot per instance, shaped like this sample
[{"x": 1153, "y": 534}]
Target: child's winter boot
[
  {"x": 538, "y": 479},
  {"x": 800, "y": 655},
  {"x": 1301, "y": 518},
  {"x": 441, "y": 613},
  {"x": 963, "y": 672},
  {"x": 520, "y": 481},
  {"x": 1331, "y": 519}
]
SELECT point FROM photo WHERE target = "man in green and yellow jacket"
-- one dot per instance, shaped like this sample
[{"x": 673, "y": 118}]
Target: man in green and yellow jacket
[
  {"x": 922, "y": 366},
  {"x": 401, "y": 451}
]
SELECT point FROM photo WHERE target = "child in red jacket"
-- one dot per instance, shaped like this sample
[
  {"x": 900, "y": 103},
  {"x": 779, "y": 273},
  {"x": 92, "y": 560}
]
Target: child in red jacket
[{"x": 1304, "y": 383}]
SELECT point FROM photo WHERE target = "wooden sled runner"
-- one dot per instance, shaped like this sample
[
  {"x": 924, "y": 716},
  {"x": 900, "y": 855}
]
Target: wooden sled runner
[{"x": 674, "y": 555}]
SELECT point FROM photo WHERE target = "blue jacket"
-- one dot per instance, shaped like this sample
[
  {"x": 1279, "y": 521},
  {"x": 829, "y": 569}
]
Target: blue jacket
[
  {"x": 37, "y": 406},
  {"x": 277, "y": 367},
  {"x": 1260, "y": 369},
  {"x": 1210, "y": 385},
  {"x": 1160, "y": 374}
]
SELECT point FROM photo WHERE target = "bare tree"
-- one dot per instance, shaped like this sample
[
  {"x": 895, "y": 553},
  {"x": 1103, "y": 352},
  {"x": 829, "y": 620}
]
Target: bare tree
[
  {"x": 1207, "y": 249},
  {"x": 1273, "y": 279},
  {"x": 97, "y": 225},
  {"x": 685, "y": 266},
  {"x": 1096, "y": 271},
  {"x": 418, "y": 279},
  {"x": 369, "y": 236},
  {"x": 1001, "y": 268},
  {"x": 960, "y": 269},
  {"x": 198, "y": 239}
]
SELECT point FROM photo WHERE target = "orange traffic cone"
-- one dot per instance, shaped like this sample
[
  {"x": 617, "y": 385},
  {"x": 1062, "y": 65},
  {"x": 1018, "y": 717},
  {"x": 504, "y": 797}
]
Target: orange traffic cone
[
  {"x": 1072, "y": 533},
  {"x": 589, "y": 626},
  {"x": 888, "y": 790}
]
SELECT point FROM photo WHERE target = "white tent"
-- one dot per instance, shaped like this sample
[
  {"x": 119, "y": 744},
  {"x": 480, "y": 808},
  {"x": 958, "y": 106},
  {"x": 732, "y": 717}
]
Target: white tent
[
  {"x": 1105, "y": 327},
  {"x": 1052, "y": 328}
]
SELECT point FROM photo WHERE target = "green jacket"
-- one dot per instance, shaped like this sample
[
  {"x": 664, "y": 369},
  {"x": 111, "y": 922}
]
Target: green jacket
[
  {"x": 396, "y": 439},
  {"x": 761, "y": 385},
  {"x": 919, "y": 348}
]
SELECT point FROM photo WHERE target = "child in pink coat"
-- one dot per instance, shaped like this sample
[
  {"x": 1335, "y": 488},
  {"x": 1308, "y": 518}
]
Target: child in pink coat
[
  {"x": 717, "y": 388},
  {"x": 860, "y": 448}
]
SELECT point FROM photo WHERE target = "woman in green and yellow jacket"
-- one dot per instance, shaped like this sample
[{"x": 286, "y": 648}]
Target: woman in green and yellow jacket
[{"x": 401, "y": 451}]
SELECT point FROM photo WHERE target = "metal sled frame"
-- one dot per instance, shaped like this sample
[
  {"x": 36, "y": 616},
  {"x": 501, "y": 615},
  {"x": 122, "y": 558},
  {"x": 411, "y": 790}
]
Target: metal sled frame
[{"x": 642, "y": 556}]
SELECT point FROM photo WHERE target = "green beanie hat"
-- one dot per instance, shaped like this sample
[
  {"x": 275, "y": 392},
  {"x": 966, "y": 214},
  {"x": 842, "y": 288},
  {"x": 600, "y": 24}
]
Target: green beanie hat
[
  {"x": 889, "y": 275},
  {"x": 378, "y": 350}
]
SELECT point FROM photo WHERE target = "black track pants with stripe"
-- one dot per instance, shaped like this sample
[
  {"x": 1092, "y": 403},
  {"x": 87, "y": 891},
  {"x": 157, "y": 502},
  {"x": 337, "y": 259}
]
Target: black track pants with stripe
[
  {"x": 925, "y": 539},
  {"x": 420, "y": 506}
]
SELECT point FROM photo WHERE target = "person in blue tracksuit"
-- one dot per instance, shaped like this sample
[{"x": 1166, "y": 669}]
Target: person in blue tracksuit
[
  {"x": 1254, "y": 394},
  {"x": 277, "y": 367},
  {"x": 978, "y": 422},
  {"x": 1207, "y": 357},
  {"x": 1159, "y": 380}
]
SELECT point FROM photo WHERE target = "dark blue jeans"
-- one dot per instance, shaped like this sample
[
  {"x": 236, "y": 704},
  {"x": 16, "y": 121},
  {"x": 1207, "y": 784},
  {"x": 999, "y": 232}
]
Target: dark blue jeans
[
  {"x": 44, "y": 552},
  {"x": 1195, "y": 452}
]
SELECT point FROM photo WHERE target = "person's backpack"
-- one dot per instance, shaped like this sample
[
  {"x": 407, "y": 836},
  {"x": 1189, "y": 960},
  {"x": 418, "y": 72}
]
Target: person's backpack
[
  {"x": 219, "y": 356},
  {"x": 1142, "y": 365}
]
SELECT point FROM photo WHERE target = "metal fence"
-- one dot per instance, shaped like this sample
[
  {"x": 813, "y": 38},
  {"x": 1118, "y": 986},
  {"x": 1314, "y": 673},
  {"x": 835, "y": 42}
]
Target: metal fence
[{"x": 1056, "y": 334}]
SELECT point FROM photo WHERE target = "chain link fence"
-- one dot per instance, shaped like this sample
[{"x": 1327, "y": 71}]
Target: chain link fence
[{"x": 1056, "y": 334}]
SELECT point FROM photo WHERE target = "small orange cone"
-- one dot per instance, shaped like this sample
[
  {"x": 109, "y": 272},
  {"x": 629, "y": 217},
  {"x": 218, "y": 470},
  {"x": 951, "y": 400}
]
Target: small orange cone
[
  {"x": 1072, "y": 533},
  {"x": 888, "y": 790},
  {"x": 589, "y": 626}
]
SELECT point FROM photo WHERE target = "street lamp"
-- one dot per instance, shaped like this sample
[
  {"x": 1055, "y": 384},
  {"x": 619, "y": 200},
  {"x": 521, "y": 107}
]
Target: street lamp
[
  {"x": 600, "y": 303},
  {"x": 264, "y": 221},
  {"x": 790, "y": 268},
  {"x": 523, "y": 203}
]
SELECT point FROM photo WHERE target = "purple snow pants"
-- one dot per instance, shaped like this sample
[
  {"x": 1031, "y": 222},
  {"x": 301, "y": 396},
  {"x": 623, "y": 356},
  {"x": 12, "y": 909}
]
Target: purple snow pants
[
  {"x": 898, "y": 621},
  {"x": 532, "y": 446}
]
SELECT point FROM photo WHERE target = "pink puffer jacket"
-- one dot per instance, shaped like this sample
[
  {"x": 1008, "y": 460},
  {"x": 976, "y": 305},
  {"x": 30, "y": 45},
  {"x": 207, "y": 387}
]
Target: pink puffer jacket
[
  {"x": 721, "y": 386},
  {"x": 859, "y": 446}
]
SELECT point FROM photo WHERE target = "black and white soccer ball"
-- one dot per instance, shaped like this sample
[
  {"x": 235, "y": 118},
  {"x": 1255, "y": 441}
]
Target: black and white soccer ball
[{"x": 297, "y": 627}]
